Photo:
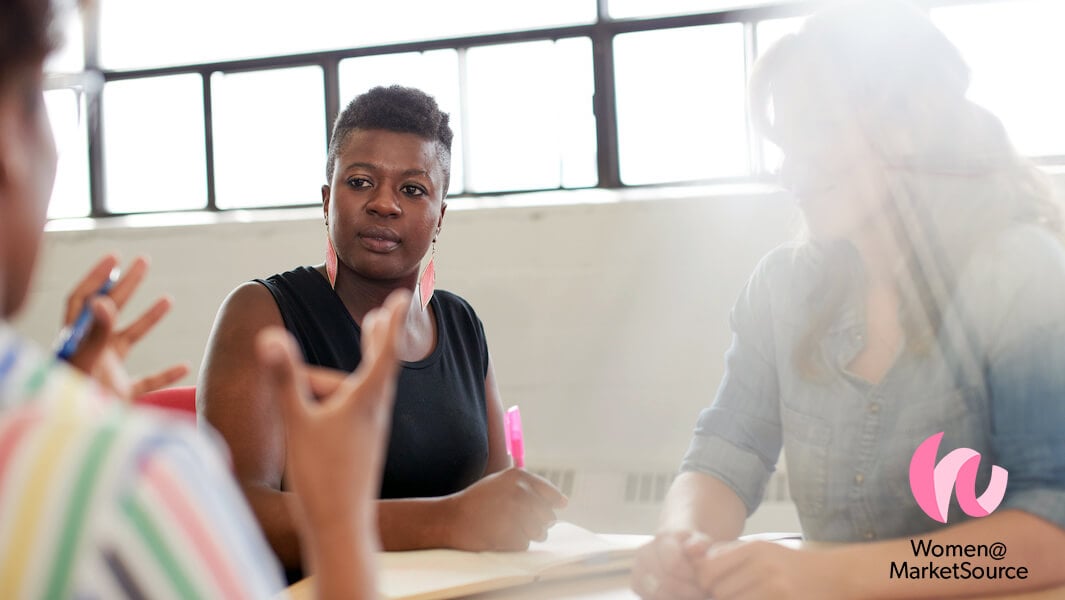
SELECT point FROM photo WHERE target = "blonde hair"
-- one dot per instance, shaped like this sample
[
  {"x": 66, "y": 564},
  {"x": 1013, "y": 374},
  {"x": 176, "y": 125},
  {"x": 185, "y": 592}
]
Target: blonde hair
[{"x": 953, "y": 177}]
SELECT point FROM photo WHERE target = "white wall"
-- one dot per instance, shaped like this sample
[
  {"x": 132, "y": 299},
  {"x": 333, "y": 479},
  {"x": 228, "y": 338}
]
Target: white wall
[{"x": 606, "y": 321}]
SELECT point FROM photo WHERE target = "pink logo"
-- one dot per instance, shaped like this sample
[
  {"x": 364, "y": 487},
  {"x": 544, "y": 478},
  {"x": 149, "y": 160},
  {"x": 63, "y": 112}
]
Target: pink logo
[{"x": 931, "y": 484}]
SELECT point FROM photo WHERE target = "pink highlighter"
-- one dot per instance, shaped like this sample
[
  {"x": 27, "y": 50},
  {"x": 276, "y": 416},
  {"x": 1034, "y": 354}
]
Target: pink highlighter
[{"x": 515, "y": 439}]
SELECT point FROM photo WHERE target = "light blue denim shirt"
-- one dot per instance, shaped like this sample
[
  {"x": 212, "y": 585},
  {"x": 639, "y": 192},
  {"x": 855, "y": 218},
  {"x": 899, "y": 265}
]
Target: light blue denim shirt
[{"x": 847, "y": 443}]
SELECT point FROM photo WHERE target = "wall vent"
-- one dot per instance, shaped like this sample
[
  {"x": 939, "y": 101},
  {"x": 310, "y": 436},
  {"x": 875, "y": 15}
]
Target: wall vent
[
  {"x": 651, "y": 487},
  {"x": 560, "y": 478},
  {"x": 647, "y": 488},
  {"x": 624, "y": 501}
]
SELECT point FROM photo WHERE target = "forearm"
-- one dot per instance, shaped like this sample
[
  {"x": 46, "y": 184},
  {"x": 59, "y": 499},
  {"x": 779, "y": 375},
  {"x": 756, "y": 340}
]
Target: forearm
[
  {"x": 699, "y": 502},
  {"x": 876, "y": 570},
  {"x": 410, "y": 524},
  {"x": 414, "y": 524},
  {"x": 342, "y": 556},
  {"x": 273, "y": 511}
]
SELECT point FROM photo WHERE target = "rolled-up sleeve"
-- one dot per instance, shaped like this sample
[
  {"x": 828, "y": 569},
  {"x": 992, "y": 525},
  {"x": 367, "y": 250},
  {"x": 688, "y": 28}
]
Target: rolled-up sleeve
[
  {"x": 1024, "y": 332},
  {"x": 737, "y": 439}
]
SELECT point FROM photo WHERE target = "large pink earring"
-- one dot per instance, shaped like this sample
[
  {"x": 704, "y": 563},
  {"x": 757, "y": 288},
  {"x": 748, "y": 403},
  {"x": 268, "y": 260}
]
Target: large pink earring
[
  {"x": 427, "y": 283},
  {"x": 330, "y": 261}
]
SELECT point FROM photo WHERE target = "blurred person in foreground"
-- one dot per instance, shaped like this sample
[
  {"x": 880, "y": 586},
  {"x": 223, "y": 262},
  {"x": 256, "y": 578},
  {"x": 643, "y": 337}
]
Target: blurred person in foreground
[{"x": 101, "y": 500}]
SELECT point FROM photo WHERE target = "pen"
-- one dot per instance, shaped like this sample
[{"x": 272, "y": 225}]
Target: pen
[
  {"x": 70, "y": 337},
  {"x": 515, "y": 438}
]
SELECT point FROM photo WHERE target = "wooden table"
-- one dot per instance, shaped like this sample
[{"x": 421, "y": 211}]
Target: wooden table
[{"x": 615, "y": 586}]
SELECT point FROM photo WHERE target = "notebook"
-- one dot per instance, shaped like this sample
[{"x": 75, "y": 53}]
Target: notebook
[{"x": 569, "y": 551}]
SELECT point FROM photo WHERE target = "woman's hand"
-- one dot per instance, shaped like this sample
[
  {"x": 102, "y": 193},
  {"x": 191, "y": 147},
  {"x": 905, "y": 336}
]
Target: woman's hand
[
  {"x": 769, "y": 571},
  {"x": 503, "y": 511},
  {"x": 336, "y": 444},
  {"x": 336, "y": 447},
  {"x": 666, "y": 566},
  {"x": 102, "y": 353}
]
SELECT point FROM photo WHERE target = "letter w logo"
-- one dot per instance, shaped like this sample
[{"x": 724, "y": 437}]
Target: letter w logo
[{"x": 931, "y": 484}]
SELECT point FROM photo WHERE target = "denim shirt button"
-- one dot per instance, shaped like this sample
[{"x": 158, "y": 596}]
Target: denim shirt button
[
  {"x": 859, "y": 478},
  {"x": 874, "y": 407},
  {"x": 869, "y": 535}
]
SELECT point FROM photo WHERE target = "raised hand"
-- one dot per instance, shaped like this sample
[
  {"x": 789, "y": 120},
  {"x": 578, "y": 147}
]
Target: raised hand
[
  {"x": 336, "y": 445},
  {"x": 103, "y": 351}
]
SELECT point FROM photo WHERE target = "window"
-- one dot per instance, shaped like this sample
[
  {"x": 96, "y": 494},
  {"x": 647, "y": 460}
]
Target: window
[
  {"x": 627, "y": 9},
  {"x": 681, "y": 118},
  {"x": 70, "y": 196},
  {"x": 770, "y": 32},
  {"x": 1014, "y": 50},
  {"x": 154, "y": 144},
  {"x": 228, "y": 105},
  {"x": 269, "y": 137},
  {"x": 67, "y": 114},
  {"x": 531, "y": 126},
  {"x": 136, "y": 35}
]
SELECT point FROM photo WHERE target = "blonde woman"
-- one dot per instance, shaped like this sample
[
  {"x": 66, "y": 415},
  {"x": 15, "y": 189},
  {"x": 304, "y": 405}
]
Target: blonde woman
[{"x": 927, "y": 298}]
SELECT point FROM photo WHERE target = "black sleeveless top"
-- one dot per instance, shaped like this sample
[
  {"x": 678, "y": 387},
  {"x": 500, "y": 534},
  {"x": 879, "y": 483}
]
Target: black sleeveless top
[{"x": 439, "y": 440}]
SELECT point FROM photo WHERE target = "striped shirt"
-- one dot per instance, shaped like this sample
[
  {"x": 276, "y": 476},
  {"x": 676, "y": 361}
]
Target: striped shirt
[{"x": 98, "y": 501}]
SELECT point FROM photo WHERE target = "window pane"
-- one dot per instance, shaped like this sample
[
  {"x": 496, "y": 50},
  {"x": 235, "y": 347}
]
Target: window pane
[
  {"x": 135, "y": 33},
  {"x": 1014, "y": 50},
  {"x": 770, "y": 32},
  {"x": 70, "y": 196},
  {"x": 575, "y": 112},
  {"x": 624, "y": 9},
  {"x": 435, "y": 73},
  {"x": 680, "y": 103},
  {"x": 531, "y": 124},
  {"x": 154, "y": 156},
  {"x": 269, "y": 137},
  {"x": 69, "y": 57}
]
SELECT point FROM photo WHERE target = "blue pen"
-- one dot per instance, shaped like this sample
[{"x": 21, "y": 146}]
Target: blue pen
[{"x": 70, "y": 337}]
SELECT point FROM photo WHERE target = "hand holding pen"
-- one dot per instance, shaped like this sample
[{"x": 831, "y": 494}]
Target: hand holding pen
[
  {"x": 71, "y": 336},
  {"x": 90, "y": 340},
  {"x": 507, "y": 509}
]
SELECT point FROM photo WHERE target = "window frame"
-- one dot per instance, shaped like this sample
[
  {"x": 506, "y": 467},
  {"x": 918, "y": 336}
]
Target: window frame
[{"x": 601, "y": 33}]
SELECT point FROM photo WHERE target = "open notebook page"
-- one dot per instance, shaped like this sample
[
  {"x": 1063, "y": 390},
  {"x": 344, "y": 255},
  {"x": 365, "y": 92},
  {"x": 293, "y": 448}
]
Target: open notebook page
[{"x": 433, "y": 574}]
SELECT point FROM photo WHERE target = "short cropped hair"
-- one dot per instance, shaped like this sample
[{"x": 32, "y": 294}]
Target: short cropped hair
[{"x": 394, "y": 108}]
